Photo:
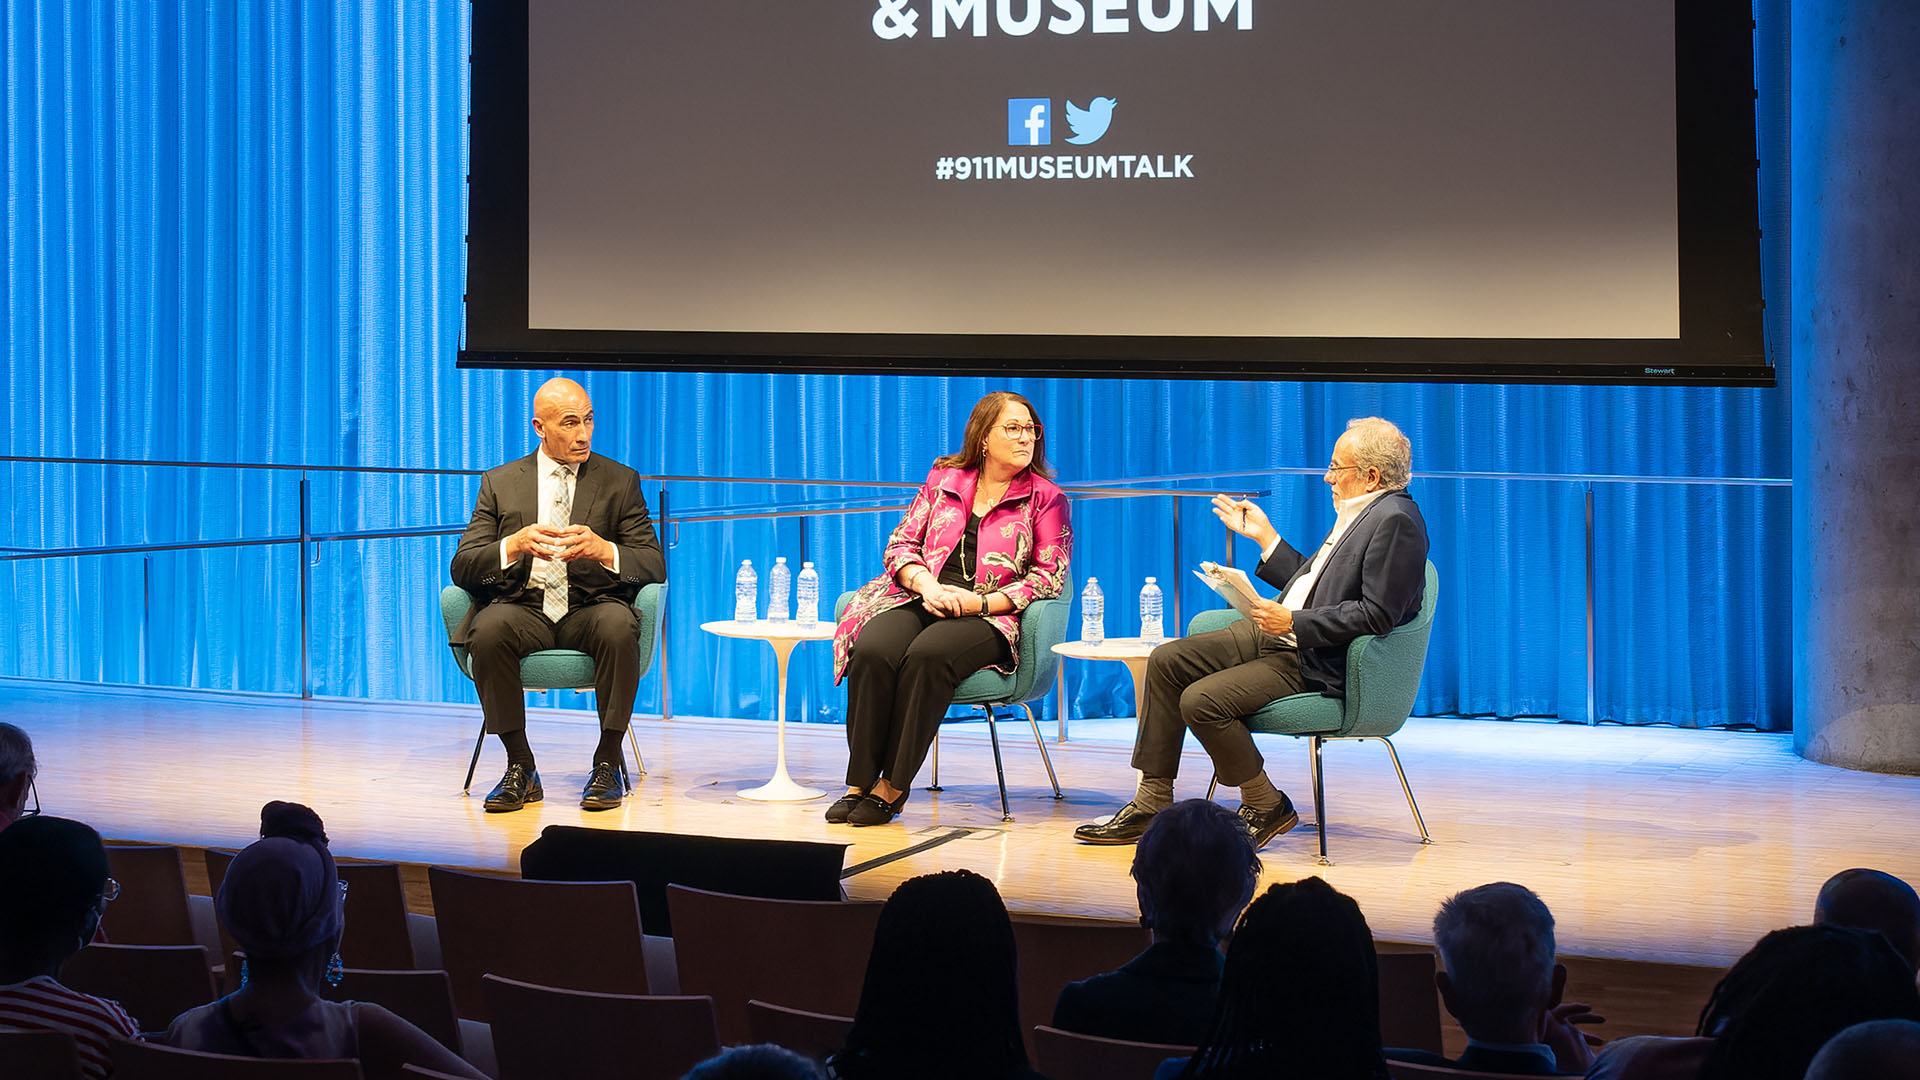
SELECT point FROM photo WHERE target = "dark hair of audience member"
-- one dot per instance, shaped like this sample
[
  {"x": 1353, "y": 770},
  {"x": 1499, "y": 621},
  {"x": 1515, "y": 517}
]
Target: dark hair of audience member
[
  {"x": 1874, "y": 1050},
  {"x": 940, "y": 998},
  {"x": 54, "y": 872},
  {"x": 764, "y": 1061},
  {"x": 1873, "y": 900},
  {"x": 1300, "y": 995},
  {"x": 1795, "y": 990},
  {"x": 1194, "y": 870}
]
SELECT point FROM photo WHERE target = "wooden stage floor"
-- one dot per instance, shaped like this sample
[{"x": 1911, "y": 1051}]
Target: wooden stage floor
[{"x": 1647, "y": 843}]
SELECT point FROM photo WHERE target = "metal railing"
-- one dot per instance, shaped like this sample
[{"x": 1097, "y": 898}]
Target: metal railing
[{"x": 668, "y": 522}]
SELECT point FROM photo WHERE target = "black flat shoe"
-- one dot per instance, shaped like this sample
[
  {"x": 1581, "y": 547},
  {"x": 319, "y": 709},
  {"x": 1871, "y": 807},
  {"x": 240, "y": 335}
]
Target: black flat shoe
[
  {"x": 604, "y": 791},
  {"x": 837, "y": 813},
  {"x": 518, "y": 786},
  {"x": 873, "y": 810},
  {"x": 1265, "y": 825},
  {"x": 1124, "y": 827}
]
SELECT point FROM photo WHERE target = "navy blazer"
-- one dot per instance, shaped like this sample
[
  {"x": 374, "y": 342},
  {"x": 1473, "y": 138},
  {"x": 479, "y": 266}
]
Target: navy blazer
[
  {"x": 1373, "y": 582},
  {"x": 1164, "y": 995},
  {"x": 606, "y": 498}
]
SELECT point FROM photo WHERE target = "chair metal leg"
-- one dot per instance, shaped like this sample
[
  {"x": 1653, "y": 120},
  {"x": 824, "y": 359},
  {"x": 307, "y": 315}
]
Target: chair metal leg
[
  {"x": 1044, "y": 758},
  {"x": 1006, "y": 814},
  {"x": 478, "y": 741},
  {"x": 639, "y": 761},
  {"x": 1404, "y": 787},
  {"x": 1319, "y": 797},
  {"x": 935, "y": 786},
  {"x": 1212, "y": 783}
]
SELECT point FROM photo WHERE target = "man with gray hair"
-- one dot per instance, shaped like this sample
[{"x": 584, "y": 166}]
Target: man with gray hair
[
  {"x": 1500, "y": 981},
  {"x": 17, "y": 770},
  {"x": 1366, "y": 577}
]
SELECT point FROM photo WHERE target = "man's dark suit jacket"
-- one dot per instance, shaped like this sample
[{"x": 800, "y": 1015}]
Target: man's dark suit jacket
[
  {"x": 1164, "y": 995},
  {"x": 1373, "y": 582},
  {"x": 1481, "y": 1059},
  {"x": 606, "y": 499}
]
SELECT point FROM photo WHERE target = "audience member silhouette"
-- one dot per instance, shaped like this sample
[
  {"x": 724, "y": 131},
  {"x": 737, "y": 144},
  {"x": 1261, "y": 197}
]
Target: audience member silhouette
[
  {"x": 1501, "y": 982},
  {"x": 1875, "y": 1050},
  {"x": 53, "y": 889},
  {"x": 17, "y": 770},
  {"x": 1872, "y": 900},
  {"x": 1300, "y": 996},
  {"x": 283, "y": 902},
  {"x": 1795, "y": 990},
  {"x": 1194, "y": 871},
  {"x": 764, "y": 1061},
  {"x": 940, "y": 998}
]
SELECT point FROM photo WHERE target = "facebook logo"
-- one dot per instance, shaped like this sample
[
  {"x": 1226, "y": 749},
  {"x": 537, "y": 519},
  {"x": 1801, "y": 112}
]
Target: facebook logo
[{"x": 1029, "y": 121}]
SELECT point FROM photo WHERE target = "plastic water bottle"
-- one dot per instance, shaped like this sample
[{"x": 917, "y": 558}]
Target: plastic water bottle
[
  {"x": 779, "y": 588},
  {"x": 1093, "y": 613},
  {"x": 807, "y": 602},
  {"x": 746, "y": 592},
  {"x": 1151, "y": 632}
]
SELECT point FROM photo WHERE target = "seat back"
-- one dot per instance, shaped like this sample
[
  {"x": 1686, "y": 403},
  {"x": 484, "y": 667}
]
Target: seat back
[
  {"x": 799, "y": 953},
  {"x": 455, "y": 602},
  {"x": 571, "y": 935},
  {"x": 152, "y": 1061},
  {"x": 153, "y": 983},
  {"x": 1409, "y": 1002},
  {"x": 421, "y": 998},
  {"x": 43, "y": 1055},
  {"x": 1055, "y": 952},
  {"x": 1383, "y": 672},
  {"x": 541, "y": 1032},
  {"x": 811, "y": 1034},
  {"x": 376, "y": 934},
  {"x": 152, "y": 908},
  {"x": 1067, "y": 1055}
]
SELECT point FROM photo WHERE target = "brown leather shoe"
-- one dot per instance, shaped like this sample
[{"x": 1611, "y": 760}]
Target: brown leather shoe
[{"x": 1267, "y": 824}]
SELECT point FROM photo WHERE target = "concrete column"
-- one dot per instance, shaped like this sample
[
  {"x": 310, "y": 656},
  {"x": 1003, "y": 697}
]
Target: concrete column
[{"x": 1855, "y": 373}]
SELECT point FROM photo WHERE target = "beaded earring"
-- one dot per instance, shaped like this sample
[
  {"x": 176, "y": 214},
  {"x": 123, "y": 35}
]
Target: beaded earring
[{"x": 335, "y": 970}]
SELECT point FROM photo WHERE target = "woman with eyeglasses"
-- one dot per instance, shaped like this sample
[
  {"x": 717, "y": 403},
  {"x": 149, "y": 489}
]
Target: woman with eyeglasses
[
  {"x": 284, "y": 904},
  {"x": 53, "y": 889},
  {"x": 986, "y": 535}
]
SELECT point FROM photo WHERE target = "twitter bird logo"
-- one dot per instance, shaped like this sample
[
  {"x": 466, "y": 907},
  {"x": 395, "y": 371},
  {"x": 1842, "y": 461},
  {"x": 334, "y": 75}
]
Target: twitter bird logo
[{"x": 1090, "y": 123}]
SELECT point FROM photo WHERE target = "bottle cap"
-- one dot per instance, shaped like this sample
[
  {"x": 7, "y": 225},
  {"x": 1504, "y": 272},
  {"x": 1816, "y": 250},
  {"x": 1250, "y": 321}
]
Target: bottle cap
[
  {"x": 1091, "y": 580},
  {"x": 746, "y": 562},
  {"x": 806, "y": 566},
  {"x": 1149, "y": 581},
  {"x": 780, "y": 559}
]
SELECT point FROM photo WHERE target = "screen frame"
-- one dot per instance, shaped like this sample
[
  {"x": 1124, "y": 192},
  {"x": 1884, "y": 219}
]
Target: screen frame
[{"x": 1721, "y": 341}]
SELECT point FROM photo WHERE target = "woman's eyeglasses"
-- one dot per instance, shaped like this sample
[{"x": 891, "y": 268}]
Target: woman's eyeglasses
[{"x": 1015, "y": 431}]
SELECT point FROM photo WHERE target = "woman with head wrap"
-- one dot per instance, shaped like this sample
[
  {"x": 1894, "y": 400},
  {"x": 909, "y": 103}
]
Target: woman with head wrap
[{"x": 284, "y": 904}]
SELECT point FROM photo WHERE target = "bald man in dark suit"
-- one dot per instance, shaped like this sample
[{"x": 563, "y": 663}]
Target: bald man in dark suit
[{"x": 558, "y": 547}]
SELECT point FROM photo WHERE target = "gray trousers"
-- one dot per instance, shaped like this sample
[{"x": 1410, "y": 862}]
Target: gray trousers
[{"x": 1208, "y": 682}]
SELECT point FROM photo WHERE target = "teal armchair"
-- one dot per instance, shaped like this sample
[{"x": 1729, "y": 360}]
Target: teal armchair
[
  {"x": 556, "y": 669},
  {"x": 1383, "y": 679},
  {"x": 1043, "y": 624}
]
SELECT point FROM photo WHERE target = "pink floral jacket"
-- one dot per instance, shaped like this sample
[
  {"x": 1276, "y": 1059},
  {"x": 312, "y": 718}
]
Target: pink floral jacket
[{"x": 1025, "y": 541}]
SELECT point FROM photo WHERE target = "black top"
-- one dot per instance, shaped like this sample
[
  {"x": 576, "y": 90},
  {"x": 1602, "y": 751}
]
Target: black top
[
  {"x": 1164, "y": 995},
  {"x": 959, "y": 567}
]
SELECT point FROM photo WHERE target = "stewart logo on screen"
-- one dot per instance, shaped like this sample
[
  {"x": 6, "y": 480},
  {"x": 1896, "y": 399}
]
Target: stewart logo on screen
[{"x": 896, "y": 19}]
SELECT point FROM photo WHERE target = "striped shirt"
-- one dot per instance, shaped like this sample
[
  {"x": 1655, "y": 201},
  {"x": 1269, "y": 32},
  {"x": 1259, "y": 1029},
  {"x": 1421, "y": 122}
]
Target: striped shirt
[{"x": 42, "y": 1004}]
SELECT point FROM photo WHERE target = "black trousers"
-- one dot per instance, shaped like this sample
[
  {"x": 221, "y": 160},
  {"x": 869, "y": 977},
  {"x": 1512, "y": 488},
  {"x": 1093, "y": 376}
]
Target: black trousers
[
  {"x": 1207, "y": 682},
  {"x": 901, "y": 672},
  {"x": 502, "y": 633}
]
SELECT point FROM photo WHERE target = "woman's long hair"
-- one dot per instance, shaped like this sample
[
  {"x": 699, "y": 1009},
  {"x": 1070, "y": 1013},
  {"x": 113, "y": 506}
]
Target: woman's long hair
[
  {"x": 1300, "y": 995},
  {"x": 986, "y": 412},
  {"x": 940, "y": 998},
  {"x": 1796, "y": 989}
]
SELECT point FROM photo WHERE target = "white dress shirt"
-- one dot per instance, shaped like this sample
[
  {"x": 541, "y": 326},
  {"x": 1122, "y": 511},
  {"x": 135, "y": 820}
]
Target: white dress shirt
[{"x": 1347, "y": 511}]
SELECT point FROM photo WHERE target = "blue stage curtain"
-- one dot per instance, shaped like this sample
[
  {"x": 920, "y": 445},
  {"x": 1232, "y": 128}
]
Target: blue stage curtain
[{"x": 234, "y": 235}]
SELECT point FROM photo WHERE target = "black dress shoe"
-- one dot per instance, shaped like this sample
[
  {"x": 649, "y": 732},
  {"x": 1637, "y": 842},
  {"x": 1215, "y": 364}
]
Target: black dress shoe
[
  {"x": 604, "y": 790},
  {"x": 871, "y": 809},
  {"x": 837, "y": 813},
  {"x": 1124, "y": 827},
  {"x": 1267, "y": 824},
  {"x": 517, "y": 787}
]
